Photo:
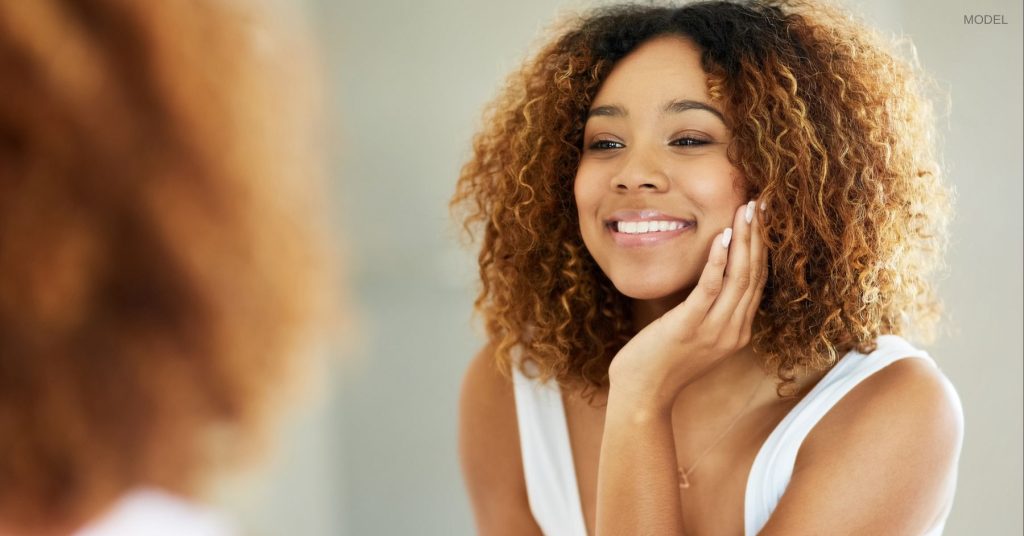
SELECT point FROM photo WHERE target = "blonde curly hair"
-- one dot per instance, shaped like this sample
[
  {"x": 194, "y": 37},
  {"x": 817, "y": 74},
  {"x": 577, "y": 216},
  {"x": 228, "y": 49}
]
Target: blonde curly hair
[{"x": 832, "y": 129}]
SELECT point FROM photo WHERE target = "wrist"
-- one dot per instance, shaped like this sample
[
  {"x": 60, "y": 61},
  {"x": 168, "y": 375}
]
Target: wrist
[
  {"x": 653, "y": 389},
  {"x": 641, "y": 402}
]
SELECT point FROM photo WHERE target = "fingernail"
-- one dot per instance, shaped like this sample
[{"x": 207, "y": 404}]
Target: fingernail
[
  {"x": 749, "y": 215},
  {"x": 763, "y": 205},
  {"x": 726, "y": 237}
]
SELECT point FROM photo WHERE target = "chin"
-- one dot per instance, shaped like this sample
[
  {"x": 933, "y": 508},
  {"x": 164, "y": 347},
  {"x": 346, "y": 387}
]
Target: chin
[{"x": 653, "y": 288}]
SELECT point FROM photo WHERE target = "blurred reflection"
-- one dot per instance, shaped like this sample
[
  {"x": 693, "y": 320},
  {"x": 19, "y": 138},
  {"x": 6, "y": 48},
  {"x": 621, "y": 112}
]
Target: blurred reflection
[{"x": 159, "y": 265}]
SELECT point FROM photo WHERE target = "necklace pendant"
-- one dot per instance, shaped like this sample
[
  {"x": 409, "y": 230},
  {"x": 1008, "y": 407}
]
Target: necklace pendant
[{"x": 684, "y": 483}]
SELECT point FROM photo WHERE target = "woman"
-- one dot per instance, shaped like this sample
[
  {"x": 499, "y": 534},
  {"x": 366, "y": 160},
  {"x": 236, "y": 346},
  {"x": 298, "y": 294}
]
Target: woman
[
  {"x": 159, "y": 269},
  {"x": 706, "y": 231}
]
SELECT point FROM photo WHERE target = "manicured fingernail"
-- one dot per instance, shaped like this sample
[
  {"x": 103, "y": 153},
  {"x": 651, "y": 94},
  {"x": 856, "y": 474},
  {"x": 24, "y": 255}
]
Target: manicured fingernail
[
  {"x": 726, "y": 237},
  {"x": 749, "y": 215},
  {"x": 763, "y": 205}
]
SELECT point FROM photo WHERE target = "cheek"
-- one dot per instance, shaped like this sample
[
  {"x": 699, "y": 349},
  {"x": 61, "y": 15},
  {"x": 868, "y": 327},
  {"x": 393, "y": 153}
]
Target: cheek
[
  {"x": 716, "y": 189},
  {"x": 586, "y": 192}
]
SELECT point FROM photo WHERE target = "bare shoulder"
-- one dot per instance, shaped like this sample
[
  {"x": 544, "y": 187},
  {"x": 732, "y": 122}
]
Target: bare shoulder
[
  {"x": 907, "y": 399},
  {"x": 487, "y": 407},
  {"x": 489, "y": 450},
  {"x": 882, "y": 460}
]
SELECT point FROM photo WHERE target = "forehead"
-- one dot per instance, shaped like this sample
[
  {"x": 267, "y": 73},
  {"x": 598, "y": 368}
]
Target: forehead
[{"x": 662, "y": 69}]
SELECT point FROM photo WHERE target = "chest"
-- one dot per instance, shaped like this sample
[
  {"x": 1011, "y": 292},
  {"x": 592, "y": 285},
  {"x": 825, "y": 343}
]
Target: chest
[{"x": 714, "y": 501}]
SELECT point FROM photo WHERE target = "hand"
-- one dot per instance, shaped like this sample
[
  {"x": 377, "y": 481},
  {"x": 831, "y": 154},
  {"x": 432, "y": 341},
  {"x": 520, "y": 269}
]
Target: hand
[{"x": 714, "y": 321}]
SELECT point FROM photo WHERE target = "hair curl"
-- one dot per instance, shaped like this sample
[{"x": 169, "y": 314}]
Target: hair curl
[
  {"x": 832, "y": 130},
  {"x": 158, "y": 269}
]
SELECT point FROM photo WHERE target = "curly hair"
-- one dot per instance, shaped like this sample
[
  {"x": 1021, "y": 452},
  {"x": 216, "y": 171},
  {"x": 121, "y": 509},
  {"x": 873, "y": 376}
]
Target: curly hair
[
  {"x": 158, "y": 271},
  {"x": 832, "y": 129}
]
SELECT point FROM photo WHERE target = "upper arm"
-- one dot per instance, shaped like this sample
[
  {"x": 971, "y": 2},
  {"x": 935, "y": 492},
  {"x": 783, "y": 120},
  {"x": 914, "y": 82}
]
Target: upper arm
[
  {"x": 489, "y": 451},
  {"x": 882, "y": 461}
]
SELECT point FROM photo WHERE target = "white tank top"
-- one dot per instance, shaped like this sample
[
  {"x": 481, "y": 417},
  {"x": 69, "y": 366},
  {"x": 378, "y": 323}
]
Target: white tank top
[
  {"x": 153, "y": 512},
  {"x": 551, "y": 475}
]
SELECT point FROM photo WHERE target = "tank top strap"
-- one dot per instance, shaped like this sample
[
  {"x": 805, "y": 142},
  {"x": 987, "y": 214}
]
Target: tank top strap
[
  {"x": 547, "y": 457},
  {"x": 773, "y": 466}
]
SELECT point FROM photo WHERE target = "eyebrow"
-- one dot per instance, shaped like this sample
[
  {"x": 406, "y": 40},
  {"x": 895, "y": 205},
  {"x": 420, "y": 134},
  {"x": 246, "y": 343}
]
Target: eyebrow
[
  {"x": 608, "y": 110},
  {"x": 674, "y": 107},
  {"x": 679, "y": 106}
]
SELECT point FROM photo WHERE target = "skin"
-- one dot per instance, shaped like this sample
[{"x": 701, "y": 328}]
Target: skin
[
  {"x": 56, "y": 528},
  {"x": 882, "y": 461}
]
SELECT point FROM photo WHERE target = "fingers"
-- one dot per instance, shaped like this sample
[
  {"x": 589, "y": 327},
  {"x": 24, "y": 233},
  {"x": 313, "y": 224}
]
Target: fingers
[
  {"x": 709, "y": 286},
  {"x": 759, "y": 275},
  {"x": 737, "y": 275},
  {"x": 728, "y": 293}
]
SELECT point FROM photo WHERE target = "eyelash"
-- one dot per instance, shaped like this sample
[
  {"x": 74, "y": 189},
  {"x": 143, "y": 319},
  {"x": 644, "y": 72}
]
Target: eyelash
[
  {"x": 692, "y": 142},
  {"x": 603, "y": 145}
]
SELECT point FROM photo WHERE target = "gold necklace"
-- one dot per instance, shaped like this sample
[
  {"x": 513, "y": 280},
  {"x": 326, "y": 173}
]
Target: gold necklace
[{"x": 684, "y": 481}]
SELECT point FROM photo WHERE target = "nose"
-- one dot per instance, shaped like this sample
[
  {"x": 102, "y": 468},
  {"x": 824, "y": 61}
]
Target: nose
[{"x": 640, "y": 172}]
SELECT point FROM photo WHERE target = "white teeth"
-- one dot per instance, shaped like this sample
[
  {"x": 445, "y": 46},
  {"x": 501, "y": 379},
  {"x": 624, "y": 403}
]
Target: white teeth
[{"x": 640, "y": 227}]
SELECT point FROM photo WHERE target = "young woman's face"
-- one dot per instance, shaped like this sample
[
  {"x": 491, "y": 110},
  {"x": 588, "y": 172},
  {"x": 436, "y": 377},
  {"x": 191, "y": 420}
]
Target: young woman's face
[{"x": 655, "y": 185}]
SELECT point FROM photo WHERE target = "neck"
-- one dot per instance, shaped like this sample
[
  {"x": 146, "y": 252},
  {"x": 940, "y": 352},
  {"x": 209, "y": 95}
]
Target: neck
[
  {"x": 13, "y": 523},
  {"x": 49, "y": 528}
]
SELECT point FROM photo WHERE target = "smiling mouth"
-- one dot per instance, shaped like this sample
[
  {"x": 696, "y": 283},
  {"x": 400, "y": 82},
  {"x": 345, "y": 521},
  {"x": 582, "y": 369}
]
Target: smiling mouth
[{"x": 648, "y": 227}]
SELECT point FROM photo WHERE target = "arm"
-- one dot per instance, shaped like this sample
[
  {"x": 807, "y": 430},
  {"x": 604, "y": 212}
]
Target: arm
[
  {"x": 489, "y": 451},
  {"x": 638, "y": 486},
  {"x": 882, "y": 461}
]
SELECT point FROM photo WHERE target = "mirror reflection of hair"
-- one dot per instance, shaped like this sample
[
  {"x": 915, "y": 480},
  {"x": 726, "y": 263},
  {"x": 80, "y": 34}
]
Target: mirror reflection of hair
[{"x": 161, "y": 265}]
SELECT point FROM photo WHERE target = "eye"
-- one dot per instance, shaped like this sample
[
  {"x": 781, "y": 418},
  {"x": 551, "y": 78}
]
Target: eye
[
  {"x": 605, "y": 145},
  {"x": 687, "y": 141}
]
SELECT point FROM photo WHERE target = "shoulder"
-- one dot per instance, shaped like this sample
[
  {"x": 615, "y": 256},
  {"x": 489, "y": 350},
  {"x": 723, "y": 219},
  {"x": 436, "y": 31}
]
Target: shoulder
[
  {"x": 489, "y": 450},
  {"x": 883, "y": 458},
  {"x": 487, "y": 402},
  {"x": 909, "y": 398}
]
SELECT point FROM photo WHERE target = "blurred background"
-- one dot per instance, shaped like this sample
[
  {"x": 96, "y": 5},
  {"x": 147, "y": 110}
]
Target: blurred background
[{"x": 376, "y": 452}]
